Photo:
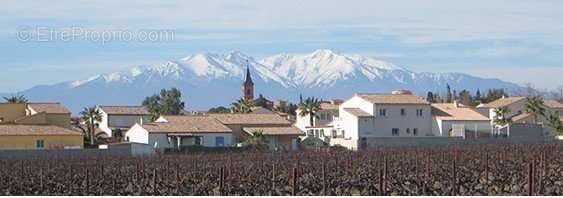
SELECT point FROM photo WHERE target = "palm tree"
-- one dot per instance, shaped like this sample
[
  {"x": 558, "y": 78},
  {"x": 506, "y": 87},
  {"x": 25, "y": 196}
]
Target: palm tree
[
  {"x": 535, "y": 107},
  {"x": 91, "y": 115},
  {"x": 553, "y": 120},
  {"x": 242, "y": 105},
  {"x": 309, "y": 107},
  {"x": 16, "y": 99},
  {"x": 502, "y": 118},
  {"x": 255, "y": 139}
]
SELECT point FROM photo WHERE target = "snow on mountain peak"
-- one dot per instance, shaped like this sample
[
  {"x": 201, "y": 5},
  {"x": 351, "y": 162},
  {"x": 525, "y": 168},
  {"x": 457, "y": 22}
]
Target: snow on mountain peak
[
  {"x": 78, "y": 83},
  {"x": 321, "y": 68},
  {"x": 324, "y": 67}
]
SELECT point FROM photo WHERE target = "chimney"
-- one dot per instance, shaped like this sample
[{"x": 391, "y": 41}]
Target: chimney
[{"x": 456, "y": 104}]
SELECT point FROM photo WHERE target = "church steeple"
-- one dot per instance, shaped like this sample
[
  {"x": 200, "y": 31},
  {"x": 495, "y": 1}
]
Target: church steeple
[
  {"x": 248, "y": 85},
  {"x": 248, "y": 77}
]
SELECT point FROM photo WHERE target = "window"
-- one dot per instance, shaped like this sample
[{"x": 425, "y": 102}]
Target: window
[
  {"x": 197, "y": 140},
  {"x": 403, "y": 112},
  {"x": 40, "y": 144},
  {"x": 415, "y": 132},
  {"x": 383, "y": 112},
  {"x": 419, "y": 112},
  {"x": 395, "y": 132},
  {"x": 310, "y": 132},
  {"x": 408, "y": 131},
  {"x": 316, "y": 133},
  {"x": 322, "y": 133},
  {"x": 323, "y": 116},
  {"x": 220, "y": 141}
]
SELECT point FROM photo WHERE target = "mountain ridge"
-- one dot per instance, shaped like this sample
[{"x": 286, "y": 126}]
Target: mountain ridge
[{"x": 210, "y": 79}]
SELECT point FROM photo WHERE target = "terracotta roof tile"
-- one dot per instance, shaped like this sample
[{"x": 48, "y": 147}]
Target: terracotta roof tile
[
  {"x": 447, "y": 111},
  {"x": 125, "y": 110},
  {"x": 241, "y": 118},
  {"x": 274, "y": 130},
  {"x": 521, "y": 117},
  {"x": 31, "y": 130},
  {"x": 329, "y": 106},
  {"x": 502, "y": 102},
  {"x": 357, "y": 112},
  {"x": 554, "y": 104},
  {"x": 260, "y": 110},
  {"x": 48, "y": 107},
  {"x": 187, "y": 124},
  {"x": 391, "y": 98}
]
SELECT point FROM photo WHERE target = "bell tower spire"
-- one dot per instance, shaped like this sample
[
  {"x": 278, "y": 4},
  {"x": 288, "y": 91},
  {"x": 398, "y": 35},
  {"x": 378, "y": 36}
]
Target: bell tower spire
[{"x": 248, "y": 85}]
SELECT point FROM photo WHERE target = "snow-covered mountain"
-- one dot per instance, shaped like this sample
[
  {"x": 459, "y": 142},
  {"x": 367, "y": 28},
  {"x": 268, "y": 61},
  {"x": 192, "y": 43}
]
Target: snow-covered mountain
[{"x": 209, "y": 80}]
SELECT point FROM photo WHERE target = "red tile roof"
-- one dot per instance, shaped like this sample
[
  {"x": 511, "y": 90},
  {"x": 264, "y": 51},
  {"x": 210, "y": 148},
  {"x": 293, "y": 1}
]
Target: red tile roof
[
  {"x": 35, "y": 130},
  {"x": 187, "y": 124},
  {"x": 48, "y": 107}
]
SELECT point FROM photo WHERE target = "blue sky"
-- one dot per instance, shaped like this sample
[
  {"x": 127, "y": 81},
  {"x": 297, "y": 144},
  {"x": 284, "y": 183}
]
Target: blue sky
[{"x": 517, "y": 40}]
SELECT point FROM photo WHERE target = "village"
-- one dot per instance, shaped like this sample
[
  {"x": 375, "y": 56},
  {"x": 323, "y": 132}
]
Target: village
[{"x": 363, "y": 121}]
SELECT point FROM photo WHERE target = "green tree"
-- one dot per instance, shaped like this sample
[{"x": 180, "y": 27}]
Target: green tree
[
  {"x": 554, "y": 121},
  {"x": 255, "y": 139},
  {"x": 502, "y": 118},
  {"x": 90, "y": 116},
  {"x": 168, "y": 102},
  {"x": 242, "y": 105},
  {"x": 465, "y": 97},
  {"x": 494, "y": 94},
  {"x": 16, "y": 99},
  {"x": 430, "y": 97},
  {"x": 309, "y": 107},
  {"x": 118, "y": 135},
  {"x": 535, "y": 106},
  {"x": 279, "y": 109},
  {"x": 449, "y": 96},
  {"x": 220, "y": 109}
]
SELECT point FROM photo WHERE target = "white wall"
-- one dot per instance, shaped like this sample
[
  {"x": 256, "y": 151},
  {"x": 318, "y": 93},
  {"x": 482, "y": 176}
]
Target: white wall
[
  {"x": 357, "y": 102},
  {"x": 208, "y": 140},
  {"x": 393, "y": 119},
  {"x": 103, "y": 125},
  {"x": 110, "y": 122},
  {"x": 325, "y": 116},
  {"x": 348, "y": 125},
  {"x": 137, "y": 134},
  {"x": 125, "y": 121},
  {"x": 381, "y": 126},
  {"x": 446, "y": 125}
]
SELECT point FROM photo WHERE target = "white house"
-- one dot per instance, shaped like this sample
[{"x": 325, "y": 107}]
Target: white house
[
  {"x": 517, "y": 106},
  {"x": 369, "y": 115},
  {"x": 553, "y": 107},
  {"x": 121, "y": 118},
  {"x": 322, "y": 123},
  {"x": 453, "y": 119},
  {"x": 179, "y": 131}
]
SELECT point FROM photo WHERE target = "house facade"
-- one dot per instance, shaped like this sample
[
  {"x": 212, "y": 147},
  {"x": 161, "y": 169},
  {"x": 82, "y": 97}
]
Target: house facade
[
  {"x": 278, "y": 138},
  {"x": 453, "y": 119},
  {"x": 373, "y": 115},
  {"x": 121, "y": 118},
  {"x": 38, "y": 137},
  {"x": 35, "y": 113},
  {"x": 275, "y": 128},
  {"x": 176, "y": 132},
  {"x": 517, "y": 106},
  {"x": 324, "y": 117}
]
